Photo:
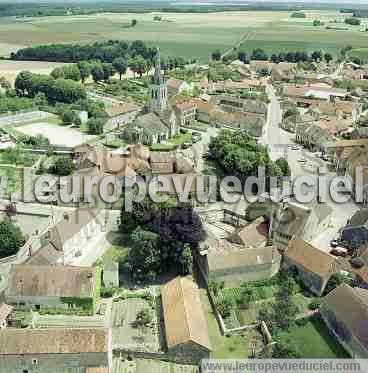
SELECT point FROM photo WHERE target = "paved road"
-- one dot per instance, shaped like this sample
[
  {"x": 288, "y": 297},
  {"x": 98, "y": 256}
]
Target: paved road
[
  {"x": 280, "y": 144},
  {"x": 201, "y": 147}
]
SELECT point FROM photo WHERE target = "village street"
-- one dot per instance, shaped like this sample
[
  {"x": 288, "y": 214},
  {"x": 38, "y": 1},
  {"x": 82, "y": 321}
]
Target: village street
[{"x": 304, "y": 163}]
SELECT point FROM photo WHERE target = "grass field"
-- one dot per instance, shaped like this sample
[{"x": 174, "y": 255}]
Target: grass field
[
  {"x": 361, "y": 53},
  {"x": 314, "y": 341},
  {"x": 188, "y": 34}
]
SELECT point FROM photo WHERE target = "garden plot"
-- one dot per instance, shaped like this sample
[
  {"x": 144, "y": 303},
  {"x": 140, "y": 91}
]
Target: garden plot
[{"x": 57, "y": 135}]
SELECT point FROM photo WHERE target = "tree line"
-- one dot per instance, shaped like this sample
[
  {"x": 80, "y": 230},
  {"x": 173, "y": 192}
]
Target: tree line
[
  {"x": 260, "y": 55},
  {"x": 28, "y": 84}
]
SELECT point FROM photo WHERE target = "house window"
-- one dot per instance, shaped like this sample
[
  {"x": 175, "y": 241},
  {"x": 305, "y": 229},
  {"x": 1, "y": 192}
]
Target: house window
[
  {"x": 25, "y": 371},
  {"x": 34, "y": 362}
]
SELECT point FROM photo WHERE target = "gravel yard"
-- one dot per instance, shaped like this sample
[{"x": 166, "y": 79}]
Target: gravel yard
[{"x": 58, "y": 135}]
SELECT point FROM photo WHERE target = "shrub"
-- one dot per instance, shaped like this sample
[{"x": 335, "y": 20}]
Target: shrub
[{"x": 315, "y": 304}]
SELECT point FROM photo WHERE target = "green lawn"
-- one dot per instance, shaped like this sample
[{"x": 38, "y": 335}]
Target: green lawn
[
  {"x": 234, "y": 346},
  {"x": 117, "y": 252},
  {"x": 250, "y": 315},
  {"x": 361, "y": 53},
  {"x": 314, "y": 341},
  {"x": 181, "y": 139},
  {"x": 14, "y": 179}
]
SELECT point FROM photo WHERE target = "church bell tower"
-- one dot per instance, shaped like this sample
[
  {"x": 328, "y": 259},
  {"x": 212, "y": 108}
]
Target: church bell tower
[{"x": 158, "y": 89}]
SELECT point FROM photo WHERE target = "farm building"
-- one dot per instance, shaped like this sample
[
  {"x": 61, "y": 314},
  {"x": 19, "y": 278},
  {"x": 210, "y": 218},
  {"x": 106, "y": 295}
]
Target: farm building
[
  {"x": 313, "y": 266},
  {"x": 185, "y": 323},
  {"x": 53, "y": 286},
  {"x": 55, "y": 350},
  {"x": 242, "y": 265},
  {"x": 345, "y": 312}
]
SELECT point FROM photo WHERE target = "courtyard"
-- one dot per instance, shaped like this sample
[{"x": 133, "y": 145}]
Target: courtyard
[
  {"x": 57, "y": 134},
  {"x": 126, "y": 334}
]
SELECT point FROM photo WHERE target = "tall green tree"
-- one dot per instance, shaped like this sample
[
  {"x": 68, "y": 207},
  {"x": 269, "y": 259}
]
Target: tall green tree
[
  {"x": 84, "y": 70},
  {"x": 11, "y": 238},
  {"x": 120, "y": 66}
]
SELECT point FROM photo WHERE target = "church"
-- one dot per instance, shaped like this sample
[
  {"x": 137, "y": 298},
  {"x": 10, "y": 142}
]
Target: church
[{"x": 160, "y": 122}]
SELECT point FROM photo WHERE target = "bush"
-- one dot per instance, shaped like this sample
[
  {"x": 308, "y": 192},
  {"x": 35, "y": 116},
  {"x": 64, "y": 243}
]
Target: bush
[
  {"x": 11, "y": 238},
  {"x": 63, "y": 167},
  {"x": 352, "y": 21},
  {"x": 95, "y": 126},
  {"x": 224, "y": 306},
  {"x": 314, "y": 305}
]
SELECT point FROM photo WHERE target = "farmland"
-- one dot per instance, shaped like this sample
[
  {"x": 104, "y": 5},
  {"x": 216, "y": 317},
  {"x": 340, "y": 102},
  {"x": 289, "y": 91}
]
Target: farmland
[
  {"x": 191, "y": 35},
  {"x": 10, "y": 69}
]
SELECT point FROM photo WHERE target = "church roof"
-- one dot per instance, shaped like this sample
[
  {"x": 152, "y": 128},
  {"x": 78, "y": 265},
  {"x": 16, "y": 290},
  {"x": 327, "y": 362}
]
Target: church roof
[{"x": 151, "y": 122}]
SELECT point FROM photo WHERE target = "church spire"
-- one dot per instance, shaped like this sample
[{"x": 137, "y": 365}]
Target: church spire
[{"x": 157, "y": 77}]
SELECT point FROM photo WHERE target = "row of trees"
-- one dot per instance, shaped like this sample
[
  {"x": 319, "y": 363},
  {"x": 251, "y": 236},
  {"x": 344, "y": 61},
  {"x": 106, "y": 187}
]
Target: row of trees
[
  {"x": 260, "y": 55},
  {"x": 294, "y": 57},
  {"x": 102, "y": 51},
  {"x": 162, "y": 236},
  {"x": 28, "y": 84}
]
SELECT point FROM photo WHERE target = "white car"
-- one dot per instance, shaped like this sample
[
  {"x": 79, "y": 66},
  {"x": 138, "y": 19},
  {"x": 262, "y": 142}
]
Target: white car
[
  {"x": 302, "y": 160},
  {"x": 295, "y": 147}
]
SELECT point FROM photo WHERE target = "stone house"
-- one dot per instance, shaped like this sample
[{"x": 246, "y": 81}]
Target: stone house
[
  {"x": 355, "y": 233},
  {"x": 72, "y": 234},
  {"x": 284, "y": 72},
  {"x": 345, "y": 312},
  {"x": 120, "y": 115},
  {"x": 54, "y": 287},
  {"x": 241, "y": 265},
  {"x": 185, "y": 113},
  {"x": 313, "y": 266},
  {"x": 177, "y": 86},
  {"x": 185, "y": 324},
  {"x": 55, "y": 350},
  {"x": 5, "y": 312}
]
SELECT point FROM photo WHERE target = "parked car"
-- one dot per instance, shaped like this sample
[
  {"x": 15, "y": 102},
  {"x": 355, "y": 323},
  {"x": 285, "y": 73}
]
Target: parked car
[
  {"x": 186, "y": 145},
  {"x": 295, "y": 147},
  {"x": 302, "y": 160},
  {"x": 339, "y": 251},
  {"x": 357, "y": 263},
  {"x": 334, "y": 243}
]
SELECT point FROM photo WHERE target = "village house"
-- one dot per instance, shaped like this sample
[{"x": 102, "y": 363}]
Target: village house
[
  {"x": 257, "y": 66},
  {"x": 185, "y": 113},
  {"x": 345, "y": 312},
  {"x": 237, "y": 265},
  {"x": 55, "y": 350},
  {"x": 5, "y": 314},
  {"x": 177, "y": 86},
  {"x": 355, "y": 233},
  {"x": 71, "y": 235},
  {"x": 348, "y": 110},
  {"x": 55, "y": 287},
  {"x": 185, "y": 324},
  {"x": 284, "y": 72},
  {"x": 306, "y": 95},
  {"x": 357, "y": 160},
  {"x": 334, "y": 149},
  {"x": 232, "y": 103},
  {"x": 291, "y": 219},
  {"x": 313, "y": 266},
  {"x": 120, "y": 115},
  {"x": 159, "y": 123}
]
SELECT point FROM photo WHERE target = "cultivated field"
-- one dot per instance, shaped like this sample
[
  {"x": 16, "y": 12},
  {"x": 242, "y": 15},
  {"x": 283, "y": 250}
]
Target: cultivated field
[
  {"x": 57, "y": 135},
  {"x": 192, "y": 35},
  {"x": 10, "y": 69}
]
